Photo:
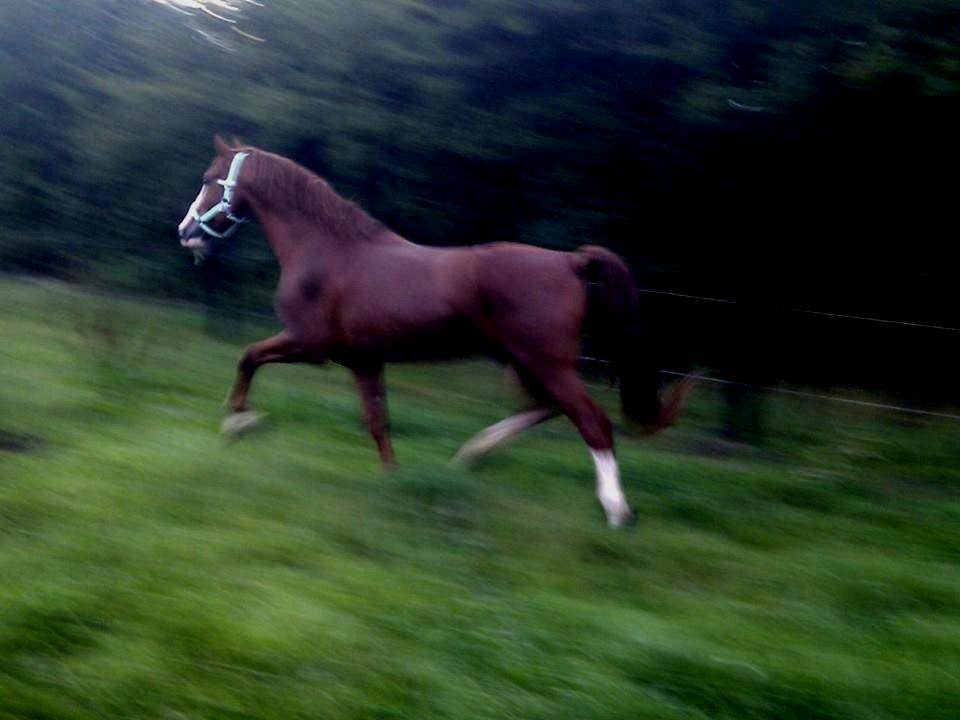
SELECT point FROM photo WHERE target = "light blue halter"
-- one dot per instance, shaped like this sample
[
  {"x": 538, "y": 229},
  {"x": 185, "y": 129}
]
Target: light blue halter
[{"x": 224, "y": 206}]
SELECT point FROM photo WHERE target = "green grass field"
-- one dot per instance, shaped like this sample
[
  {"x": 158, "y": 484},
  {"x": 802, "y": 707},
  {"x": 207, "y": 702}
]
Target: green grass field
[{"x": 148, "y": 569}]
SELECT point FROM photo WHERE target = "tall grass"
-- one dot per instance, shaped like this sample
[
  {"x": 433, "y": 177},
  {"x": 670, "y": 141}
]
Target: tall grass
[{"x": 149, "y": 569}]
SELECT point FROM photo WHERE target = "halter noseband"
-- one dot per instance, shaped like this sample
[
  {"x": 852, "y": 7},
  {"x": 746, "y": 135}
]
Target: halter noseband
[{"x": 224, "y": 206}]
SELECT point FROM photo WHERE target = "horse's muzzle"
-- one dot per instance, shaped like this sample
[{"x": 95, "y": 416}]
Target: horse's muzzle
[{"x": 192, "y": 235}]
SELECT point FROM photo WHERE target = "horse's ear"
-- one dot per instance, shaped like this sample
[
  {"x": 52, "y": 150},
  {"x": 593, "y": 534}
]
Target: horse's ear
[
  {"x": 220, "y": 145},
  {"x": 236, "y": 142}
]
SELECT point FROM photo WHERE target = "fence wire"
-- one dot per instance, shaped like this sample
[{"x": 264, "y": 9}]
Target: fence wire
[{"x": 195, "y": 307}]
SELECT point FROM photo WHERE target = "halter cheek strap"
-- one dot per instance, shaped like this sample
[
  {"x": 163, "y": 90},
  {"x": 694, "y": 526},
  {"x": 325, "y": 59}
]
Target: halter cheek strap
[{"x": 225, "y": 204}]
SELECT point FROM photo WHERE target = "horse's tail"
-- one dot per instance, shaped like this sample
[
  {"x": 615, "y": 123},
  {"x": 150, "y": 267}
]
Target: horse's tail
[{"x": 614, "y": 316}]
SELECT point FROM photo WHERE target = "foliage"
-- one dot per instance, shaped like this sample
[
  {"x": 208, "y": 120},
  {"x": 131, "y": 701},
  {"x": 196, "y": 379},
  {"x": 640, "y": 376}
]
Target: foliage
[{"x": 553, "y": 123}]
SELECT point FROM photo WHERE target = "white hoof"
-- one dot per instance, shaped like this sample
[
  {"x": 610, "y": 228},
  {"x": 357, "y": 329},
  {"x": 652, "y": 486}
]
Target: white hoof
[
  {"x": 463, "y": 462},
  {"x": 240, "y": 423},
  {"x": 621, "y": 517}
]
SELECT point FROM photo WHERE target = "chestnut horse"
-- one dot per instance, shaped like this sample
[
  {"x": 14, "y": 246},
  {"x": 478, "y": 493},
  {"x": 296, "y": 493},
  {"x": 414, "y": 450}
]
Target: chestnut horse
[{"x": 355, "y": 293}]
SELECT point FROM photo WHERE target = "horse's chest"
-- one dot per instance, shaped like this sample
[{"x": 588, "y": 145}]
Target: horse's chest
[{"x": 303, "y": 304}]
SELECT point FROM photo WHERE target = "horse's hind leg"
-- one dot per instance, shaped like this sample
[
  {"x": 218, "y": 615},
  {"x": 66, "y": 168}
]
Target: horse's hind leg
[
  {"x": 279, "y": 348},
  {"x": 574, "y": 401},
  {"x": 374, "y": 396},
  {"x": 501, "y": 432}
]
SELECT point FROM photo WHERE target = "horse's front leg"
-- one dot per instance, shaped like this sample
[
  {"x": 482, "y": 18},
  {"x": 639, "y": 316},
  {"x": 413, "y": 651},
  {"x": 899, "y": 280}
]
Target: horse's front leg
[
  {"x": 374, "y": 396},
  {"x": 279, "y": 348}
]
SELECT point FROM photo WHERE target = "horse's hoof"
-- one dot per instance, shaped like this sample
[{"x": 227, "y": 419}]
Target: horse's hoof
[
  {"x": 240, "y": 423},
  {"x": 462, "y": 460},
  {"x": 622, "y": 518},
  {"x": 467, "y": 459}
]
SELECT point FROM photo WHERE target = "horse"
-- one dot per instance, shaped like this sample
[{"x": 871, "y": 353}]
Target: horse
[{"x": 355, "y": 293}]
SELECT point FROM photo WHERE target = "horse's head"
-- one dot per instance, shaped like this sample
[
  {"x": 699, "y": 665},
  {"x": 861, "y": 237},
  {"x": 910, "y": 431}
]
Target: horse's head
[{"x": 218, "y": 209}]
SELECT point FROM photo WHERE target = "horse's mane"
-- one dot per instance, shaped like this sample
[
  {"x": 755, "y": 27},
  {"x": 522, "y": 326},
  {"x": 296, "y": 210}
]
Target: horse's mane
[{"x": 284, "y": 185}]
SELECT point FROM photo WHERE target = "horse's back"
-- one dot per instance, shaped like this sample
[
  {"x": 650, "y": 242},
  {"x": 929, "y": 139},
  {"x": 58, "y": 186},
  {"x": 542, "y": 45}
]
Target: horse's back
[
  {"x": 533, "y": 299},
  {"x": 523, "y": 276},
  {"x": 402, "y": 301}
]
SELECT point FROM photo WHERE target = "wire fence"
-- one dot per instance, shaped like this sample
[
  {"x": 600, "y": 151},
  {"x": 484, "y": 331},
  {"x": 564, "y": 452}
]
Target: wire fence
[
  {"x": 792, "y": 392},
  {"x": 804, "y": 311},
  {"x": 821, "y": 396},
  {"x": 796, "y": 393},
  {"x": 263, "y": 316}
]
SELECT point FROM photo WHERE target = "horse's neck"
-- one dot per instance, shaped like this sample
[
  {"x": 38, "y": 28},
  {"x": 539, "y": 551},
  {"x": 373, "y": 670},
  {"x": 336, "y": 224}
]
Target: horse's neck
[
  {"x": 335, "y": 233},
  {"x": 291, "y": 237},
  {"x": 297, "y": 238}
]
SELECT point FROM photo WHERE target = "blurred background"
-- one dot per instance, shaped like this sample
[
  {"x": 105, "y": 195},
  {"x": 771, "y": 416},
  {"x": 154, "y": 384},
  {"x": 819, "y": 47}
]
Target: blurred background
[
  {"x": 779, "y": 154},
  {"x": 780, "y": 175}
]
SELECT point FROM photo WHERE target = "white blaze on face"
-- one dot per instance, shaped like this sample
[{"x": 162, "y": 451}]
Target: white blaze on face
[{"x": 189, "y": 216}]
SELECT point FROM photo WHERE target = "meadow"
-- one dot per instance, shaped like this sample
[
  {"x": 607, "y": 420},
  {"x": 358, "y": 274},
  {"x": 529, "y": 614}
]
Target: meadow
[{"x": 151, "y": 569}]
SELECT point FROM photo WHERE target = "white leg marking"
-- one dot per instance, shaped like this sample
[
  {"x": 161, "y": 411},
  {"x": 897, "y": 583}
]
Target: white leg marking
[
  {"x": 609, "y": 492},
  {"x": 486, "y": 440},
  {"x": 238, "y": 423}
]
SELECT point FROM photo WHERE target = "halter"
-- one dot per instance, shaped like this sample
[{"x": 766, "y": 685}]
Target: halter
[{"x": 224, "y": 206}]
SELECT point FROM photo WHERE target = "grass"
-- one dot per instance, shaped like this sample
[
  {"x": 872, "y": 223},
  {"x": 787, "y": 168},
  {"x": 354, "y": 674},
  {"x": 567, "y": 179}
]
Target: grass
[{"x": 148, "y": 569}]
